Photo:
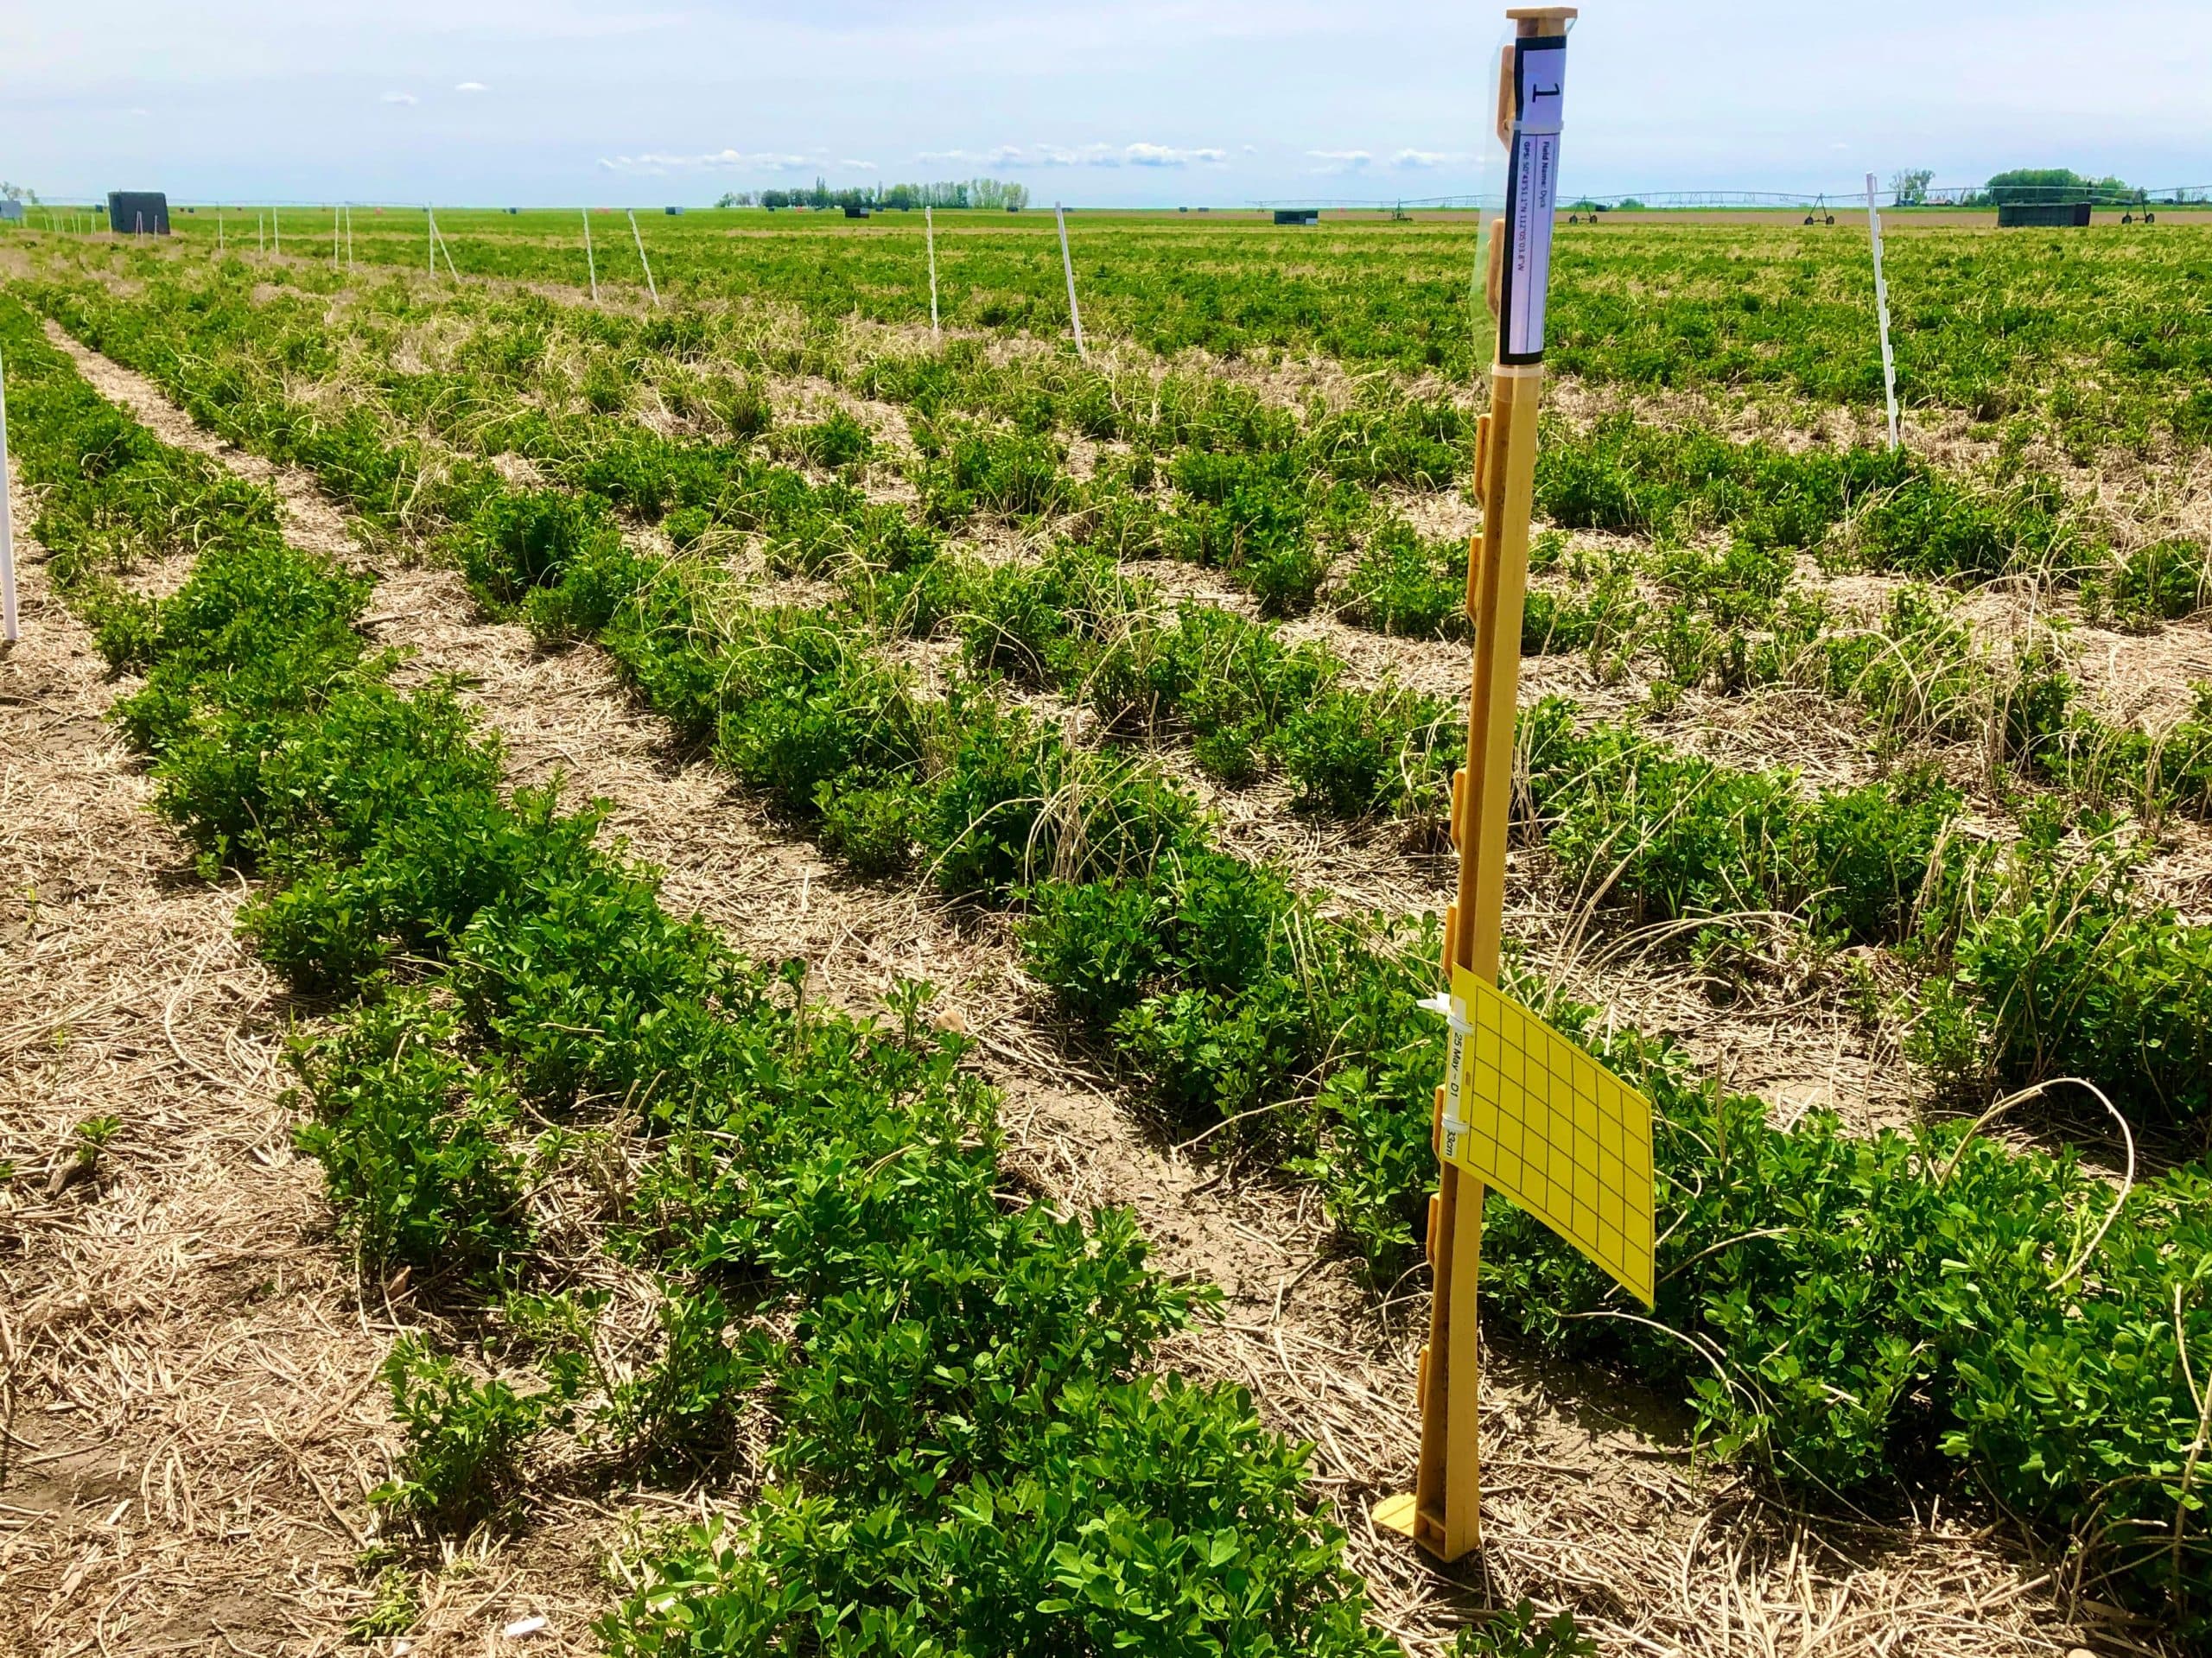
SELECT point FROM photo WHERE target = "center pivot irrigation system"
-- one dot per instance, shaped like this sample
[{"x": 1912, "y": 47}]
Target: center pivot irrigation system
[{"x": 1521, "y": 1108}]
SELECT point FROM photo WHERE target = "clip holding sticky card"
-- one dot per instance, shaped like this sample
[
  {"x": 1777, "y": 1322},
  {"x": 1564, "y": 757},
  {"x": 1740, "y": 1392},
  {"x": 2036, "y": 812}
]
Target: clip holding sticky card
[{"x": 1451, "y": 1117}]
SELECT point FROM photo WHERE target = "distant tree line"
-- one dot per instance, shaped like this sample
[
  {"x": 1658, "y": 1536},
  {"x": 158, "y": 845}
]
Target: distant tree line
[
  {"x": 1911, "y": 188},
  {"x": 1908, "y": 188},
  {"x": 949, "y": 192},
  {"x": 2031, "y": 184}
]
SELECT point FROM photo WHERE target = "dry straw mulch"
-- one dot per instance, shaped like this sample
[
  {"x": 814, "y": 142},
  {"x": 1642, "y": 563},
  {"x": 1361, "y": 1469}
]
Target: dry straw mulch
[
  {"x": 214, "y": 1357},
  {"x": 185, "y": 1395}
]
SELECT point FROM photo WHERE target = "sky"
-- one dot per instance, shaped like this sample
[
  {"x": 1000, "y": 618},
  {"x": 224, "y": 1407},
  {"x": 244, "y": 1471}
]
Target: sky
[{"x": 1151, "y": 102}]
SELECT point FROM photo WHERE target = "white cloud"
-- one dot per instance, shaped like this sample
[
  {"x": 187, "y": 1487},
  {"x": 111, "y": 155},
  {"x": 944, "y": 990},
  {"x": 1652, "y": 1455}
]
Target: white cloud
[
  {"x": 399, "y": 97},
  {"x": 1061, "y": 156},
  {"x": 1341, "y": 160},
  {"x": 1133, "y": 155},
  {"x": 1425, "y": 158},
  {"x": 858, "y": 167},
  {"x": 1167, "y": 156},
  {"x": 471, "y": 86},
  {"x": 1000, "y": 155},
  {"x": 719, "y": 160}
]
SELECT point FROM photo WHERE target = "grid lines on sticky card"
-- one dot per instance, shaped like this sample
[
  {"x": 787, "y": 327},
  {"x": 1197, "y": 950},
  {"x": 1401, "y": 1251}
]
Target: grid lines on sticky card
[{"x": 1556, "y": 1132}]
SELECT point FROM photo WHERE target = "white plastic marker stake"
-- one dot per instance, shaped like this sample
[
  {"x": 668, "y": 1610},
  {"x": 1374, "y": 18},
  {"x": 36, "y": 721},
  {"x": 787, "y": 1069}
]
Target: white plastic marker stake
[
  {"x": 276, "y": 230},
  {"x": 349, "y": 238},
  {"x": 444, "y": 247},
  {"x": 591, "y": 265},
  {"x": 260, "y": 236},
  {"x": 929, "y": 231},
  {"x": 1882, "y": 310},
  {"x": 1075, "y": 317},
  {"x": 640, "y": 240},
  {"x": 334, "y": 216},
  {"x": 7, "y": 528}
]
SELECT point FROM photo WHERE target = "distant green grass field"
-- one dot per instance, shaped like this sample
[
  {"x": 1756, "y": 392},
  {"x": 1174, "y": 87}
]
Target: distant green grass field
[{"x": 2100, "y": 336}]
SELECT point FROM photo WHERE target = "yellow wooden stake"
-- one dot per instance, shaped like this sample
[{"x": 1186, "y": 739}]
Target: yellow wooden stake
[{"x": 1442, "y": 1512}]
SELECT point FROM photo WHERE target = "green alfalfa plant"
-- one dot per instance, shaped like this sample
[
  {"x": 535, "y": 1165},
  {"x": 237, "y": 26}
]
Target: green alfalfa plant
[
  {"x": 835, "y": 443},
  {"x": 738, "y": 405},
  {"x": 686, "y": 1400},
  {"x": 465, "y": 1438},
  {"x": 1520, "y": 1631},
  {"x": 393, "y": 1603},
  {"x": 1357, "y": 753},
  {"x": 871, "y": 824},
  {"x": 1404, "y": 583},
  {"x": 2052, "y": 958},
  {"x": 2157, "y": 583},
  {"x": 519, "y": 541},
  {"x": 417, "y": 1147},
  {"x": 1915, "y": 668}
]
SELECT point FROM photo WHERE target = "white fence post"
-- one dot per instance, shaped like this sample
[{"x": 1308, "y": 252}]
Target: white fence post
[
  {"x": 7, "y": 527},
  {"x": 1882, "y": 310},
  {"x": 1075, "y": 317},
  {"x": 638, "y": 236},
  {"x": 929, "y": 232},
  {"x": 591, "y": 265}
]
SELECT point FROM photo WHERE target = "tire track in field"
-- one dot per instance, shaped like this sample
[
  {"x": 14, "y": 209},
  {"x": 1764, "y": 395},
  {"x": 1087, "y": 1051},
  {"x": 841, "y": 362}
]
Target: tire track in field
[{"x": 1582, "y": 1507}]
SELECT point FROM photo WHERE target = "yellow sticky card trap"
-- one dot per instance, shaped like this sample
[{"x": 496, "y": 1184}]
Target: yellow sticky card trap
[{"x": 1527, "y": 1112}]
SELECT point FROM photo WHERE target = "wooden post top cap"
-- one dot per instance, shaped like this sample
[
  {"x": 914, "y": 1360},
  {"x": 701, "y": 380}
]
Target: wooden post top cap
[{"x": 1530, "y": 20}]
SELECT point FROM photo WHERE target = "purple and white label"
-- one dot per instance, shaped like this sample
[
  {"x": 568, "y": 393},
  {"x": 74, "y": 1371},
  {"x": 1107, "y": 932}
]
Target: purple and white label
[{"x": 1540, "y": 81}]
